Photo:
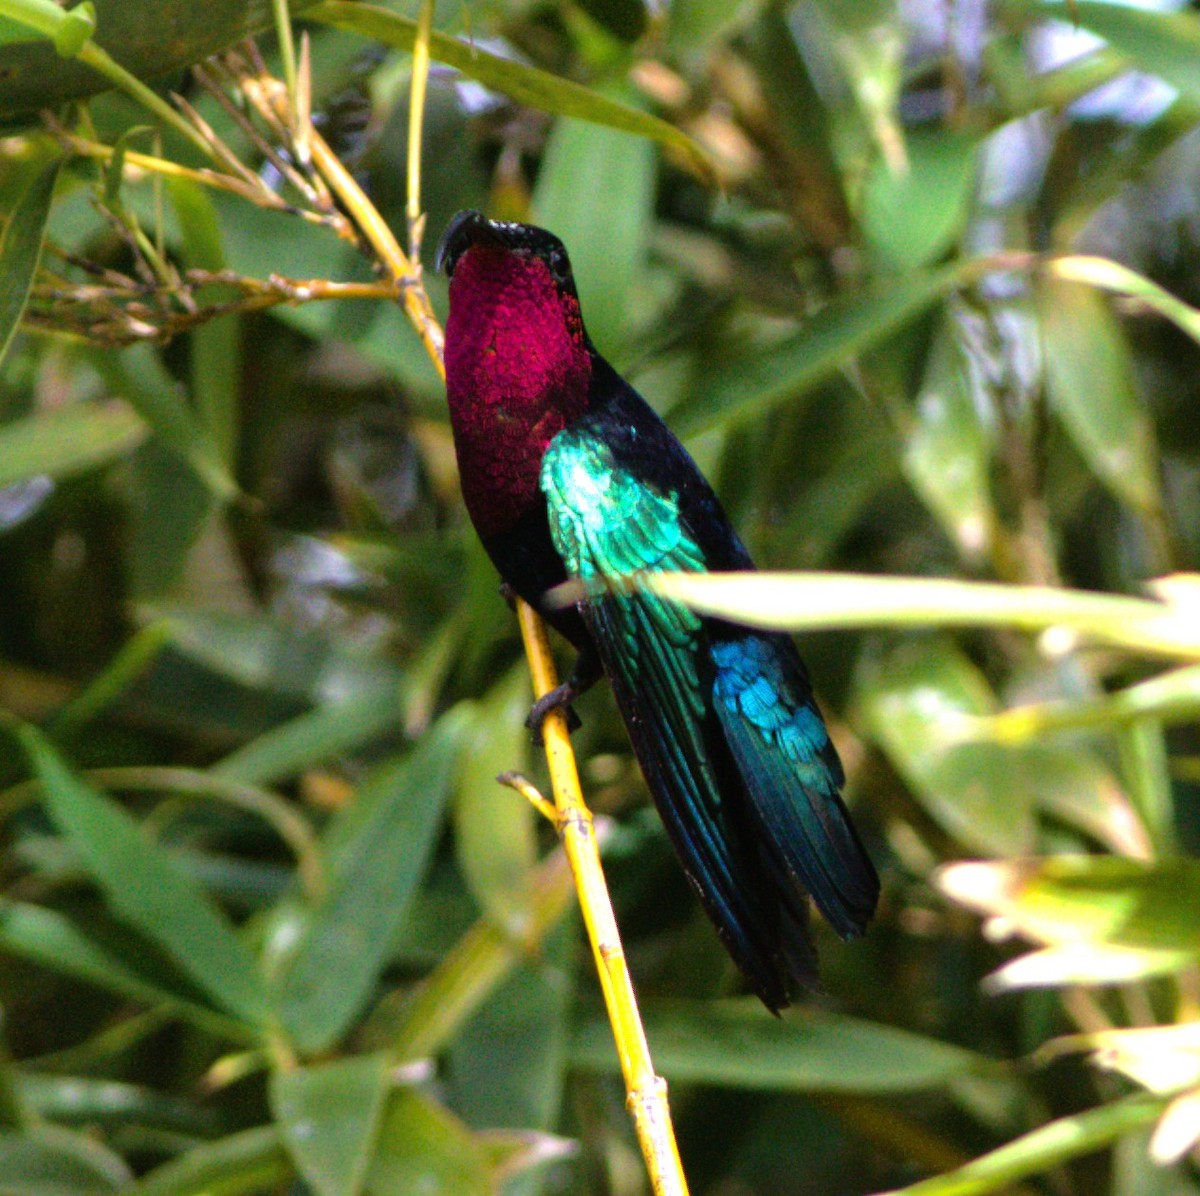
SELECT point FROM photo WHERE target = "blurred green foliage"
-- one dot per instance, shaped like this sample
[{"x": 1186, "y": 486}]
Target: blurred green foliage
[{"x": 268, "y": 924}]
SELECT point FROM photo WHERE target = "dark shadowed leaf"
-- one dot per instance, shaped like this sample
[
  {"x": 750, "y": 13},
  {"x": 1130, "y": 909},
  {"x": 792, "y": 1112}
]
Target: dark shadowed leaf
[
  {"x": 849, "y": 325},
  {"x": 21, "y": 249},
  {"x": 251, "y": 1161}
]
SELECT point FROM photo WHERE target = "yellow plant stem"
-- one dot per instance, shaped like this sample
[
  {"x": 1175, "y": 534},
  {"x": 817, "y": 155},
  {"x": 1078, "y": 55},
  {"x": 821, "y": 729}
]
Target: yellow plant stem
[{"x": 646, "y": 1093}]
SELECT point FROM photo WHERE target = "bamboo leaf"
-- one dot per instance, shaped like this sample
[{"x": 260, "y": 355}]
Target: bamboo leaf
[
  {"x": 329, "y": 1115},
  {"x": 1091, "y": 386},
  {"x": 846, "y": 327},
  {"x": 525, "y": 84},
  {"x": 1043, "y": 1148},
  {"x": 378, "y": 851},
  {"x": 146, "y": 887},
  {"x": 739, "y": 1044},
  {"x": 68, "y": 440},
  {"x": 1166, "y": 44},
  {"x": 21, "y": 248},
  {"x": 251, "y": 1161}
]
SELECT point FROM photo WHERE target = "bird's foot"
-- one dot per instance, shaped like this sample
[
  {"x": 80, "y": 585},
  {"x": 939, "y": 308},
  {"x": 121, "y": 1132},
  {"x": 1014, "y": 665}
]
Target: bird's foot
[
  {"x": 509, "y": 595},
  {"x": 559, "y": 698}
]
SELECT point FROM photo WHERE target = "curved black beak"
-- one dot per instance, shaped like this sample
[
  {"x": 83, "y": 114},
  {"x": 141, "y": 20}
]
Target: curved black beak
[{"x": 464, "y": 230}]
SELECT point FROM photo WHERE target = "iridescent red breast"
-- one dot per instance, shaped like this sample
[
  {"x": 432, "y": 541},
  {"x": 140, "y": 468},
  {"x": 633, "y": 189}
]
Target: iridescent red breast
[{"x": 517, "y": 373}]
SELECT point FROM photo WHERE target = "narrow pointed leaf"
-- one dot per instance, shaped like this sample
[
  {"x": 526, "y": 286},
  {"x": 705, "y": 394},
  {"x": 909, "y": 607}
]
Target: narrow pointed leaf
[
  {"x": 147, "y": 888},
  {"x": 494, "y": 836},
  {"x": 52, "y": 1161},
  {"x": 21, "y": 249},
  {"x": 251, "y": 1161},
  {"x": 1047, "y": 1146},
  {"x": 739, "y": 1044},
  {"x": 329, "y": 1117},
  {"x": 49, "y": 938},
  {"x": 424, "y": 1148},
  {"x": 378, "y": 849},
  {"x": 1091, "y": 387},
  {"x": 848, "y": 326},
  {"x": 525, "y": 84},
  {"x": 1166, "y": 44},
  {"x": 68, "y": 440}
]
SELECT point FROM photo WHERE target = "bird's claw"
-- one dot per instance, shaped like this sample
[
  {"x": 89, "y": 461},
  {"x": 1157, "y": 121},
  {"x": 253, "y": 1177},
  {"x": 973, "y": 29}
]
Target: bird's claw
[{"x": 559, "y": 698}]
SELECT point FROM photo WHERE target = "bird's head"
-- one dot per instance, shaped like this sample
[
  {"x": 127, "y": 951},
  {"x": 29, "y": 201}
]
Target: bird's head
[
  {"x": 518, "y": 361},
  {"x": 515, "y": 335}
]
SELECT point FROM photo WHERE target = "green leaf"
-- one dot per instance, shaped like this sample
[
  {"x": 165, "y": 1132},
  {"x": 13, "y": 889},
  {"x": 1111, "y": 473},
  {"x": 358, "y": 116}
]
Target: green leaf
[
  {"x": 506, "y": 1065},
  {"x": 424, "y": 1148},
  {"x": 51, "y": 1161},
  {"x": 911, "y": 217},
  {"x": 252, "y": 1161},
  {"x": 1043, "y": 1148},
  {"x": 697, "y": 24},
  {"x": 737, "y": 1043},
  {"x": 138, "y": 374},
  {"x": 849, "y": 325},
  {"x": 329, "y": 1116},
  {"x": 1166, "y": 44},
  {"x": 607, "y": 245},
  {"x": 215, "y": 358},
  {"x": 378, "y": 848},
  {"x": 494, "y": 834},
  {"x": 1104, "y": 919},
  {"x": 76, "y": 29},
  {"x": 807, "y": 601},
  {"x": 914, "y": 702},
  {"x": 947, "y": 453},
  {"x": 54, "y": 941},
  {"x": 525, "y": 84},
  {"x": 147, "y": 888},
  {"x": 21, "y": 250},
  {"x": 1091, "y": 386},
  {"x": 334, "y": 727},
  {"x": 68, "y": 440}
]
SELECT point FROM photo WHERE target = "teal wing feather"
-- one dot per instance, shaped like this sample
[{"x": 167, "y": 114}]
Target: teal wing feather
[{"x": 606, "y": 523}]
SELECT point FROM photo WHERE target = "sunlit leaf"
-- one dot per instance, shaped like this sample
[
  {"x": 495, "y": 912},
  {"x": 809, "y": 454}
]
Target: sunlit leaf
[
  {"x": 68, "y": 440},
  {"x": 809, "y": 601},
  {"x": 1103, "y": 919},
  {"x": 739, "y": 1044},
  {"x": 1178, "y": 1129},
  {"x": 525, "y": 84},
  {"x": 329, "y": 1117},
  {"x": 913, "y": 702}
]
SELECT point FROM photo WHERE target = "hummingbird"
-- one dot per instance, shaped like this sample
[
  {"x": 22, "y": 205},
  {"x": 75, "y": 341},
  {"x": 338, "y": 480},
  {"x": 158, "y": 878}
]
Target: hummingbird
[{"x": 568, "y": 473}]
